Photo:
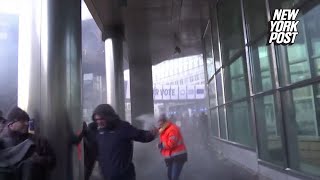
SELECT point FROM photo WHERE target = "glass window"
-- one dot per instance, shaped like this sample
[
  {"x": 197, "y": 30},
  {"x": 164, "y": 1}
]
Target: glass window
[
  {"x": 255, "y": 13},
  {"x": 301, "y": 60},
  {"x": 230, "y": 28},
  {"x": 260, "y": 58},
  {"x": 239, "y": 124},
  {"x": 302, "y": 112},
  {"x": 235, "y": 80},
  {"x": 283, "y": 4},
  {"x": 222, "y": 123},
  {"x": 214, "y": 122},
  {"x": 219, "y": 88},
  {"x": 269, "y": 135},
  {"x": 212, "y": 93},
  {"x": 209, "y": 52}
]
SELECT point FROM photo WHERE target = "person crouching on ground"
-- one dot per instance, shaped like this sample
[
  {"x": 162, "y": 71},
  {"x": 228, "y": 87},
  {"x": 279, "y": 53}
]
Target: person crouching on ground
[{"x": 172, "y": 147}]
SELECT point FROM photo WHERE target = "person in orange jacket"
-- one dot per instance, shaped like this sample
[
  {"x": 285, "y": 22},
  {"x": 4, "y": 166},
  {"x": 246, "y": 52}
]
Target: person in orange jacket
[{"x": 172, "y": 147}]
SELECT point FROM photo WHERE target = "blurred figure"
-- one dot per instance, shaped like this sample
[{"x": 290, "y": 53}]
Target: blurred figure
[
  {"x": 204, "y": 123},
  {"x": 2, "y": 122},
  {"x": 90, "y": 147},
  {"x": 173, "y": 118},
  {"x": 1, "y": 115},
  {"x": 113, "y": 139},
  {"x": 23, "y": 156},
  {"x": 195, "y": 121},
  {"x": 172, "y": 147}
]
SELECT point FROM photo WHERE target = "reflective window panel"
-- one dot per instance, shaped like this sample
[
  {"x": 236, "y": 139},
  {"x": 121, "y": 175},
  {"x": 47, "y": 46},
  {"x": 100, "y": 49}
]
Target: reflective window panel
[
  {"x": 269, "y": 133},
  {"x": 302, "y": 110},
  {"x": 240, "y": 127},
  {"x": 230, "y": 28},
  {"x": 235, "y": 80},
  {"x": 260, "y": 59}
]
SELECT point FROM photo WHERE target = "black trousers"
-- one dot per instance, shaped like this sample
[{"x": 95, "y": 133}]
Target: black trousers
[
  {"x": 26, "y": 170},
  {"x": 128, "y": 175}
]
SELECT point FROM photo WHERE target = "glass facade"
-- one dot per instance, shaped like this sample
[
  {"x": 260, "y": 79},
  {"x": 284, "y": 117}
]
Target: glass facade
[
  {"x": 260, "y": 59},
  {"x": 209, "y": 51},
  {"x": 256, "y": 18},
  {"x": 269, "y": 135},
  {"x": 235, "y": 81},
  {"x": 222, "y": 122},
  {"x": 302, "y": 117},
  {"x": 271, "y": 90},
  {"x": 212, "y": 94},
  {"x": 239, "y": 124},
  {"x": 214, "y": 123},
  {"x": 231, "y": 33}
]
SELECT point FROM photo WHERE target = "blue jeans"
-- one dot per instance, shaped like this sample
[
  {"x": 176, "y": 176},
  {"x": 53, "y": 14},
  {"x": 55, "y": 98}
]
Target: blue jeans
[{"x": 174, "y": 169}]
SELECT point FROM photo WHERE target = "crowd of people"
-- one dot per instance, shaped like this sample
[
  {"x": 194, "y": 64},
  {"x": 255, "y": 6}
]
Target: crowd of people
[{"x": 108, "y": 140}]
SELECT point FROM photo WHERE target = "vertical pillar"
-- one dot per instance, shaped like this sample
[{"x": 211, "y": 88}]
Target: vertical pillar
[
  {"x": 61, "y": 81},
  {"x": 141, "y": 90},
  {"x": 140, "y": 65},
  {"x": 51, "y": 92},
  {"x": 114, "y": 74}
]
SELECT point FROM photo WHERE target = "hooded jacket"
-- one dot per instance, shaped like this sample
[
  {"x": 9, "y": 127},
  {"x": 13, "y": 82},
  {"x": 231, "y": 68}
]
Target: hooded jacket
[
  {"x": 115, "y": 144},
  {"x": 173, "y": 147},
  {"x": 17, "y": 151}
]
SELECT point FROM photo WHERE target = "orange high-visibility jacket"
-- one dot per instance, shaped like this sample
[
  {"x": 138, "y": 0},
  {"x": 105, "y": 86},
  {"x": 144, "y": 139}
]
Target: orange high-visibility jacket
[{"x": 172, "y": 140}]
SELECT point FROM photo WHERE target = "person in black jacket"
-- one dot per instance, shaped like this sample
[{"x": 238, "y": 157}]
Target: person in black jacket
[
  {"x": 114, "y": 138},
  {"x": 90, "y": 147},
  {"x": 2, "y": 122},
  {"x": 23, "y": 156}
]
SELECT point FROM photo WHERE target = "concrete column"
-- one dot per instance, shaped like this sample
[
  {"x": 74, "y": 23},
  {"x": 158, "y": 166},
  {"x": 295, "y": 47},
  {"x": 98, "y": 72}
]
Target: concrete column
[
  {"x": 114, "y": 74},
  {"x": 51, "y": 90},
  {"x": 141, "y": 90},
  {"x": 140, "y": 65}
]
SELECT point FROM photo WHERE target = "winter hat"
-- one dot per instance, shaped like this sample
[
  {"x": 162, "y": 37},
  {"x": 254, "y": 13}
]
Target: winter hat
[{"x": 17, "y": 114}]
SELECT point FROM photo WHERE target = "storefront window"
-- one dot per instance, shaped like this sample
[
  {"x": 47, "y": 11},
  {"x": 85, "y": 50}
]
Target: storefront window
[
  {"x": 269, "y": 137},
  {"x": 222, "y": 123},
  {"x": 283, "y": 4},
  {"x": 260, "y": 58},
  {"x": 302, "y": 110},
  {"x": 230, "y": 28},
  {"x": 255, "y": 13},
  {"x": 235, "y": 80},
  {"x": 219, "y": 88},
  {"x": 212, "y": 93},
  {"x": 209, "y": 52},
  {"x": 239, "y": 124},
  {"x": 301, "y": 60},
  {"x": 214, "y": 122}
]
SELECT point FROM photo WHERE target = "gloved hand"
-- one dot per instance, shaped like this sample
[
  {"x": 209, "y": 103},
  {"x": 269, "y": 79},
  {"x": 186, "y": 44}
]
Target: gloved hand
[
  {"x": 154, "y": 131},
  {"x": 84, "y": 128},
  {"x": 160, "y": 146}
]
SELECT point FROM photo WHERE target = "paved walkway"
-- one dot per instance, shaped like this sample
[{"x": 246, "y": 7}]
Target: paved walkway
[{"x": 202, "y": 164}]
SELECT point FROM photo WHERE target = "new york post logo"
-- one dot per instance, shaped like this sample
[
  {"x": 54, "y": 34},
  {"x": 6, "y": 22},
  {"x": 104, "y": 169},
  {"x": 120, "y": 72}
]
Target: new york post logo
[{"x": 283, "y": 27}]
